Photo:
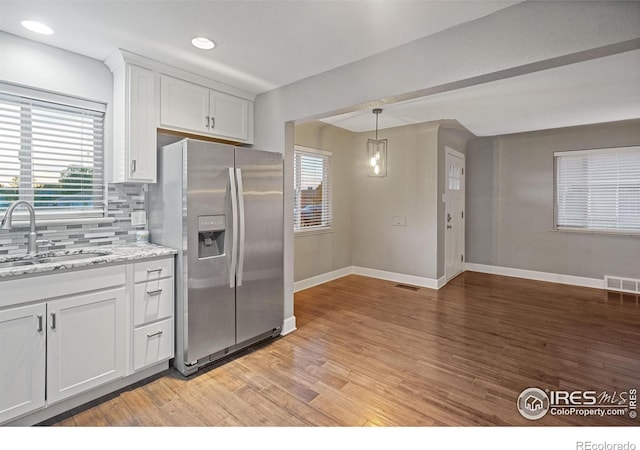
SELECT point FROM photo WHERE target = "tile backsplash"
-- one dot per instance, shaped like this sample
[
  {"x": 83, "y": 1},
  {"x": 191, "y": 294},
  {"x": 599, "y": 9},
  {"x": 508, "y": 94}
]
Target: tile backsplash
[{"x": 121, "y": 200}]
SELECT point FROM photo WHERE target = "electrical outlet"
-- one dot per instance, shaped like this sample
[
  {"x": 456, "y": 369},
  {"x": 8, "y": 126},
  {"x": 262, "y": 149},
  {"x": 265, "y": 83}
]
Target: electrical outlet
[
  {"x": 138, "y": 218},
  {"x": 399, "y": 221}
]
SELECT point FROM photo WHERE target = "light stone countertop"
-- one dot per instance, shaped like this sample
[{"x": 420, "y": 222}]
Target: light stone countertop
[{"x": 115, "y": 254}]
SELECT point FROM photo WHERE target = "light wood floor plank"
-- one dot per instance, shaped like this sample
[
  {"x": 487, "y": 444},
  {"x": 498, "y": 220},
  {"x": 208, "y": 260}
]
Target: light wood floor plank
[{"x": 368, "y": 353}]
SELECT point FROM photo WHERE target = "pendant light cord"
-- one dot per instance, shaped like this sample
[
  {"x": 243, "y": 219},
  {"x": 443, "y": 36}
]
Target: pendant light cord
[{"x": 377, "y": 112}]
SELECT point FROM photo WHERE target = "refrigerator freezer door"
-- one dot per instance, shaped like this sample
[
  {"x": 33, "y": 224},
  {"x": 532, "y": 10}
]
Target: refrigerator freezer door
[
  {"x": 259, "y": 299},
  {"x": 210, "y": 311}
]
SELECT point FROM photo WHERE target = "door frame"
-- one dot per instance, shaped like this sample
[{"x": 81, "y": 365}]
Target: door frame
[{"x": 463, "y": 190}]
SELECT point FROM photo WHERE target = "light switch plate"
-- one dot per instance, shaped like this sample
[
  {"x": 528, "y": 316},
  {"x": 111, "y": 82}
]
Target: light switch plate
[
  {"x": 399, "y": 221},
  {"x": 138, "y": 218}
]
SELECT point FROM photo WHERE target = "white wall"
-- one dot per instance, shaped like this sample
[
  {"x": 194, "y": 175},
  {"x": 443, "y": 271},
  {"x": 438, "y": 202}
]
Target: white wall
[
  {"x": 524, "y": 38},
  {"x": 33, "y": 64}
]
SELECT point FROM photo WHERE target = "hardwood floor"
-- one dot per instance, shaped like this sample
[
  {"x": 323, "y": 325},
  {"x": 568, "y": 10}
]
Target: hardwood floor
[{"x": 368, "y": 353}]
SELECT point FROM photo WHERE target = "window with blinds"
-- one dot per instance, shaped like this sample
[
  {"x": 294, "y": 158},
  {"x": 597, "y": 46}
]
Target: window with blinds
[
  {"x": 312, "y": 184},
  {"x": 51, "y": 154},
  {"x": 598, "y": 189}
]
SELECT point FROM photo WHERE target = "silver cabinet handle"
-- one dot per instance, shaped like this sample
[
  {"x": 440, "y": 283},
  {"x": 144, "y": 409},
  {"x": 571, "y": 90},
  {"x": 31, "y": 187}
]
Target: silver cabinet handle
[
  {"x": 156, "y": 292},
  {"x": 133, "y": 165},
  {"x": 157, "y": 333},
  {"x": 157, "y": 269},
  {"x": 39, "y": 316},
  {"x": 53, "y": 321},
  {"x": 213, "y": 122},
  {"x": 207, "y": 122}
]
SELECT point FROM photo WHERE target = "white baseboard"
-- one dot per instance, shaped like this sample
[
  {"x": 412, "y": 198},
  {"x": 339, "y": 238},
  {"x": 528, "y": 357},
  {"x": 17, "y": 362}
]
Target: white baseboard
[
  {"x": 288, "y": 326},
  {"x": 538, "y": 276},
  {"x": 322, "y": 278},
  {"x": 430, "y": 283}
]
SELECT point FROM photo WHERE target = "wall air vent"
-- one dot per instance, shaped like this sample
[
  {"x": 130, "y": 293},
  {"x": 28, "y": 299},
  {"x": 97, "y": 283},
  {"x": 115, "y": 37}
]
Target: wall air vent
[
  {"x": 618, "y": 284},
  {"x": 406, "y": 286}
]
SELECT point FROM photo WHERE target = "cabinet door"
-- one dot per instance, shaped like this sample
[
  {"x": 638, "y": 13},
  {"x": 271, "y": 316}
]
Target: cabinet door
[
  {"x": 141, "y": 126},
  {"x": 85, "y": 342},
  {"x": 229, "y": 116},
  {"x": 183, "y": 105},
  {"x": 22, "y": 352}
]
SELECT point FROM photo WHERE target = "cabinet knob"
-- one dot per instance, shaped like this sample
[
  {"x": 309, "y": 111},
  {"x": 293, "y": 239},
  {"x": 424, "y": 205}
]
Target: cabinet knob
[
  {"x": 39, "y": 323},
  {"x": 133, "y": 165},
  {"x": 53, "y": 321}
]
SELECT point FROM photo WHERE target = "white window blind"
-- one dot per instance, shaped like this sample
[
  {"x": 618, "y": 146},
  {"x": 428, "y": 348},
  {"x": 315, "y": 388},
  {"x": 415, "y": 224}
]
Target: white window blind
[
  {"x": 312, "y": 183},
  {"x": 598, "y": 189},
  {"x": 51, "y": 154}
]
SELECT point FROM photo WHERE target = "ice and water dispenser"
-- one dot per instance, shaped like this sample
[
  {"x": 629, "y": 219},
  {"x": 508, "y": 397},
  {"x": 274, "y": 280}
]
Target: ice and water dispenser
[{"x": 211, "y": 231}]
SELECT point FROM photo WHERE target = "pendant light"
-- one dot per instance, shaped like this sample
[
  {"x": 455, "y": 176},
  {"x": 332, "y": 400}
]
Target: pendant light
[{"x": 377, "y": 153}]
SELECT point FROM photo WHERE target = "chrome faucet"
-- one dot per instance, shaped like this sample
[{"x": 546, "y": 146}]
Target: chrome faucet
[{"x": 32, "y": 246}]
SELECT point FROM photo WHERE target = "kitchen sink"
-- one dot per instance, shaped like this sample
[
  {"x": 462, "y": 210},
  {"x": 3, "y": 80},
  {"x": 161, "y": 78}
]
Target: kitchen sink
[
  {"x": 57, "y": 258},
  {"x": 29, "y": 260}
]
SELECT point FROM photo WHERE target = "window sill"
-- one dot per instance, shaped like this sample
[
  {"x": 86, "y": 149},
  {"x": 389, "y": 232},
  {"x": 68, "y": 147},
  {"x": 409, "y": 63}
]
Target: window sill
[
  {"x": 303, "y": 233},
  {"x": 22, "y": 223},
  {"x": 634, "y": 234}
]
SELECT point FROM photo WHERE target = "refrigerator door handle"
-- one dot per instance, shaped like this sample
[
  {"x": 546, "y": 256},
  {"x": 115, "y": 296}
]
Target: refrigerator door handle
[
  {"x": 234, "y": 228},
  {"x": 242, "y": 230}
]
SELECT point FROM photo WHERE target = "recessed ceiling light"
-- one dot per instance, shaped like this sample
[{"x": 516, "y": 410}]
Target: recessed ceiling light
[
  {"x": 36, "y": 27},
  {"x": 203, "y": 43}
]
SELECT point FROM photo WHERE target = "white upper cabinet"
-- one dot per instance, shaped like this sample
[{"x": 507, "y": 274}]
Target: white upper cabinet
[
  {"x": 187, "y": 106},
  {"x": 229, "y": 116},
  {"x": 134, "y": 124},
  {"x": 148, "y": 95},
  {"x": 183, "y": 105}
]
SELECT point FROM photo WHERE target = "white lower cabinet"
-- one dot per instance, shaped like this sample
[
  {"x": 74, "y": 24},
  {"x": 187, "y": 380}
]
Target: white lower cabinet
[
  {"x": 152, "y": 343},
  {"x": 85, "y": 342},
  {"x": 66, "y": 334},
  {"x": 152, "y": 313},
  {"x": 22, "y": 352}
]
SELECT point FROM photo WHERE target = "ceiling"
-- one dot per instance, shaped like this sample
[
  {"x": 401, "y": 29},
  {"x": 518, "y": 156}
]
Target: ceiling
[
  {"x": 260, "y": 44},
  {"x": 265, "y": 44},
  {"x": 601, "y": 90}
]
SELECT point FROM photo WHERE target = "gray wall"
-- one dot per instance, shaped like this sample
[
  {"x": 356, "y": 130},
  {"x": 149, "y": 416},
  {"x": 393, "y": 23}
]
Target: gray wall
[
  {"x": 524, "y": 38},
  {"x": 510, "y": 205},
  {"x": 316, "y": 254},
  {"x": 453, "y": 135},
  {"x": 410, "y": 190}
]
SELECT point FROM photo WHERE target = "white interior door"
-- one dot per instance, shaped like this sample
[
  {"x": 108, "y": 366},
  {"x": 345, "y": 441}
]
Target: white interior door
[{"x": 454, "y": 214}]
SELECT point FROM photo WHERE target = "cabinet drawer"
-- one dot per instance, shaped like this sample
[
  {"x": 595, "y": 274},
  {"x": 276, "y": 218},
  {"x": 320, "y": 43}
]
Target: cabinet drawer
[
  {"x": 152, "y": 301},
  {"x": 152, "y": 343},
  {"x": 153, "y": 270}
]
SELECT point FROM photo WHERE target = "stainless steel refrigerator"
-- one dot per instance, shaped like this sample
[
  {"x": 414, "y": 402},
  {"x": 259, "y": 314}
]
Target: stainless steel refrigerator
[{"x": 222, "y": 207}]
